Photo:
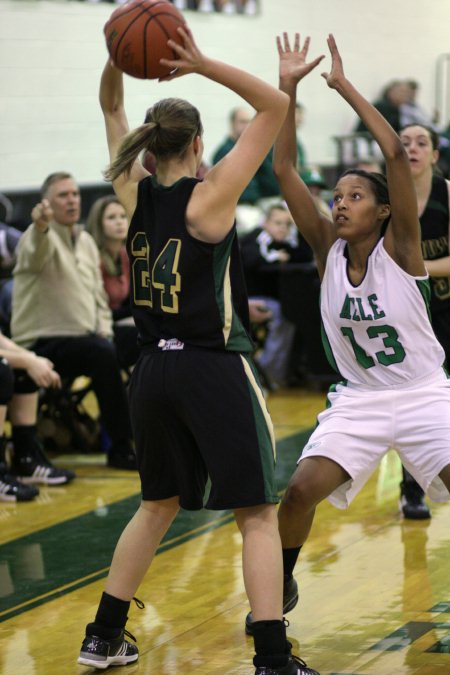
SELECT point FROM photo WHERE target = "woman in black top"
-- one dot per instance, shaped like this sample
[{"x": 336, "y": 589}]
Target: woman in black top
[
  {"x": 433, "y": 202},
  {"x": 196, "y": 403}
]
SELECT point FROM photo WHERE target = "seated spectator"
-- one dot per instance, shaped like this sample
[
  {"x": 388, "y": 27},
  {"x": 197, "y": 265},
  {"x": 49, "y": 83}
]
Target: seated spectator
[
  {"x": 239, "y": 119},
  {"x": 9, "y": 237},
  {"x": 394, "y": 95},
  {"x": 21, "y": 375},
  {"x": 60, "y": 309},
  {"x": 262, "y": 186},
  {"x": 410, "y": 111},
  {"x": 316, "y": 183},
  {"x": 263, "y": 251},
  {"x": 370, "y": 165},
  {"x": 107, "y": 222}
]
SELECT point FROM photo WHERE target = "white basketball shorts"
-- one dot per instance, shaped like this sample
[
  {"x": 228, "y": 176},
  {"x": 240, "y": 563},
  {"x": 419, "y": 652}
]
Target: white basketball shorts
[{"x": 359, "y": 426}]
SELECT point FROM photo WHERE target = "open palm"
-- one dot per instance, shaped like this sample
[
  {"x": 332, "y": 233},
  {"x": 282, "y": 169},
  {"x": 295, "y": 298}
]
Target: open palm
[
  {"x": 293, "y": 64},
  {"x": 336, "y": 73}
]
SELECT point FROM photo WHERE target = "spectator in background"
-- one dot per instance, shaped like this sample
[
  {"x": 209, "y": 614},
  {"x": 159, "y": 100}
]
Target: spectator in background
[
  {"x": 316, "y": 183},
  {"x": 410, "y": 111},
  {"x": 9, "y": 238},
  {"x": 249, "y": 7},
  {"x": 60, "y": 309},
  {"x": 261, "y": 187},
  {"x": 107, "y": 222},
  {"x": 395, "y": 95},
  {"x": 433, "y": 203},
  {"x": 239, "y": 119},
  {"x": 263, "y": 250},
  {"x": 370, "y": 165},
  {"x": 22, "y": 373}
]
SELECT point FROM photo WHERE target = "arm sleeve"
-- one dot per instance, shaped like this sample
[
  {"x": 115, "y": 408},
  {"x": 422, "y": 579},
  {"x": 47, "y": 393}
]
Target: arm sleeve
[
  {"x": 104, "y": 315},
  {"x": 34, "y": 249}
]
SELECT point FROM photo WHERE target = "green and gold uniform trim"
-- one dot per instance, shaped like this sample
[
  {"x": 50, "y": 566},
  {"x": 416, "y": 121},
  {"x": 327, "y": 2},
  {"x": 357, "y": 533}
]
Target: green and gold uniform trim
[
  {"x": 234, "y": 334},
  {"x": 264, "y": 429},
  {"x": 425, "y": 290}
]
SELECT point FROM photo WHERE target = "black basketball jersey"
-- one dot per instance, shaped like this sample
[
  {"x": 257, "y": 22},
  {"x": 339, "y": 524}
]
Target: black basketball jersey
[
  {"x": 434, "y": 224},
  {"x": 184, "y": 292}
]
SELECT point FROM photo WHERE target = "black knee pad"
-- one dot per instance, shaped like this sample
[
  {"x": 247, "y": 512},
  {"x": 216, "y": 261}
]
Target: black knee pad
[
  {"x": 23, "y": 384},
  {"x": 6, "y": 382}
]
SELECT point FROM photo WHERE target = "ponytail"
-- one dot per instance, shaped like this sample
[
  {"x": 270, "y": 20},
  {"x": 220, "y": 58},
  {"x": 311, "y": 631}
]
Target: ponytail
[
  {"x": 130, "y": 148},
  {"x": 170, "y": 127}
]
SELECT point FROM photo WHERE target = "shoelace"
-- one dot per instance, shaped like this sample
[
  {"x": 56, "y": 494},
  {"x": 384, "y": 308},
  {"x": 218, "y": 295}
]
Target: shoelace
[
  {"x": 139, "y": 603},
  {"x": 296, "y": 659},
  {"x": 299, "y": 662},
  {"x": 129, "y": 635}
]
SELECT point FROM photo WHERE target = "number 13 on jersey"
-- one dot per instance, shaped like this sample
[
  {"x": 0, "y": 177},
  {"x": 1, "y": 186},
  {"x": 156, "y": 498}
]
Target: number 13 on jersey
[{"x": 163, "y": 276}]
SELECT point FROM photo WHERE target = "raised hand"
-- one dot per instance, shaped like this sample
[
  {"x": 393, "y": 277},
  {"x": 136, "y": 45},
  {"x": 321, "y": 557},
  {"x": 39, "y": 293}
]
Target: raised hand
[
  {"x": 293, "y": 65},
  {"x": 42, "y": 214},
  {"x": 336, "y": 75},
  {"x": 190, "y": 59}
]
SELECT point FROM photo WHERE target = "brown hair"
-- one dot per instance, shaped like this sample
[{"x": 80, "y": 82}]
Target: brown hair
[
  {"x": 94, "y": 221},
  {"x": 169, "y": 128},
  {"x": 53, "y": 178},
  {"x": 276, "y": 206}
]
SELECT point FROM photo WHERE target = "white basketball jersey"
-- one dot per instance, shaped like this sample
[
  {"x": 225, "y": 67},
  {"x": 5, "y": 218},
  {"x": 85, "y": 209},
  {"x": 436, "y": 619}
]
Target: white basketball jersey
[{"x": 377, "y": 333}]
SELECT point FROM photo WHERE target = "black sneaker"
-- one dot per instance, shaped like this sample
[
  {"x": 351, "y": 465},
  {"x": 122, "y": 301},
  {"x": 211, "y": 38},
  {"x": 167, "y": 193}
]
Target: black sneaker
[
  {"x": 12, "y": 490},
  {"x": 412, "y": 502},
  {"x": 290, "y": 599},
  {"x": 39, "y": 469},
  {"x": 99, "y": 653},
  {"x": 294, "y": 666}
]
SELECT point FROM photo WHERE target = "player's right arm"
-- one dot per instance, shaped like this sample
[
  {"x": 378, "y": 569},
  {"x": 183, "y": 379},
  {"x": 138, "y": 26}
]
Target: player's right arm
[
  {"x": 225, "y": 181},
  {"x": 316, "y": 229},
  {"x": 112, "y": 104}
]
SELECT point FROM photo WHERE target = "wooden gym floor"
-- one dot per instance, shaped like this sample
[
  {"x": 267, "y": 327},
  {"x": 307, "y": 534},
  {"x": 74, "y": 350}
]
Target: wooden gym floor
[{"x": 374, "y": 589}]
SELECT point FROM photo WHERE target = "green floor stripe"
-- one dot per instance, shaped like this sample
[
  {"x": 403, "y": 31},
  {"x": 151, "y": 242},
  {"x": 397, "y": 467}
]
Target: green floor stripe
[
  {"x": 443, "y": 607},
  {"x": 54, "y": 561},
  {"x": 404, "y": 636}
]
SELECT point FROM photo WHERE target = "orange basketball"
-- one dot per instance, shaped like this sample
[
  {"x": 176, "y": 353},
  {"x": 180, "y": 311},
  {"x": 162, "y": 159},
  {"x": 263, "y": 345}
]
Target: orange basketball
[{"x": 136, "y": 36}]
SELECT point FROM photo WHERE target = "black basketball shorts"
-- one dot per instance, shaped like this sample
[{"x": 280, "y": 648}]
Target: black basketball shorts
[{"x": 201, "y": 413}]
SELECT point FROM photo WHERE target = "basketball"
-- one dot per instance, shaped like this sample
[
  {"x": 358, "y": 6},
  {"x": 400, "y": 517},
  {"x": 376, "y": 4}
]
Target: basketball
[{"x": 136, "y": 36}]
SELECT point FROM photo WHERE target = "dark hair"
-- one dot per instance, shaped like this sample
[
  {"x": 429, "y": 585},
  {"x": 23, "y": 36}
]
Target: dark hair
[
  {"x": 53, "y": 178},
  {"x": 94, "y": 221},
  {"x": 388, "y": 88},
  {"x": 169, "y": 127},
  {"x": 434, "y": 136},
  {"x": 378, "y": 185}
]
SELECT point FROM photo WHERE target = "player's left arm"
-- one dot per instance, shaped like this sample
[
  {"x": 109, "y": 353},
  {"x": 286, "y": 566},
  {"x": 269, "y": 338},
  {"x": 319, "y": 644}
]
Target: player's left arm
[
  {"x": 402, "y": 239},
  {"x": 441, "y": 266}
]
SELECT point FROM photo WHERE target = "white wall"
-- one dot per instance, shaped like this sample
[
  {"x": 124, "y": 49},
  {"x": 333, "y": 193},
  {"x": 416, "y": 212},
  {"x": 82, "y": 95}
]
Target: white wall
[{"x": 52, "y": 54}]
